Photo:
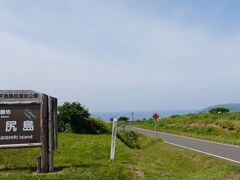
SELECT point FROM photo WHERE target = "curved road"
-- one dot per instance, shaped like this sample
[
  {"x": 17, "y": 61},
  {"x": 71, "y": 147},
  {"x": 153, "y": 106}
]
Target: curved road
[{"x": 223, "y": 151}]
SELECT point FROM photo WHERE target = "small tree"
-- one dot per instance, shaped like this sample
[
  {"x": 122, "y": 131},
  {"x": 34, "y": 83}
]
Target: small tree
[
  {"x": 219, "y": 110},
  {"x": 122, "y": 121},
  {"x": 73, "y": 117}
]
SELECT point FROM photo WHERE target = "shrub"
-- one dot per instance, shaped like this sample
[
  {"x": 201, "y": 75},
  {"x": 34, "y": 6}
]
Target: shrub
[
  {"x": 97, "y": 126},
  {"x": 175, "y": 116},
  {"x": 129, "y": 138},
  {"x": 225, "y": 124},
  {"x": 73, "y": 117},
  {"x": 204, "y": 130}
]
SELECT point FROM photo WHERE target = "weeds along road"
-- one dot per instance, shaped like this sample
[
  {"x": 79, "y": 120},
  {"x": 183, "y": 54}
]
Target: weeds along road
[{"x": 223, "y": 151}]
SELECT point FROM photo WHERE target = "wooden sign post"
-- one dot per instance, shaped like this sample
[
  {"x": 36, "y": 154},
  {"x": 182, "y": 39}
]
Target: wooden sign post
[{"x": 29, "y": 119}]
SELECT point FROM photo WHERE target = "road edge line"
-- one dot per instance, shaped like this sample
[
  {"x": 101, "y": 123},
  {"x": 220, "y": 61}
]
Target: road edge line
[{"x": 203, "y": 152}]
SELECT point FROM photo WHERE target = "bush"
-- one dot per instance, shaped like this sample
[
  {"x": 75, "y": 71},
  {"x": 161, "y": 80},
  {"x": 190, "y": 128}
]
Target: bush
[
  {"x": 97, "y": 126},
  {"x": 204, "y": 130},
  {"x": 225, "y": 124},
  {"x": 129, "y": 138},
  {"x": 75, "y": 118}
]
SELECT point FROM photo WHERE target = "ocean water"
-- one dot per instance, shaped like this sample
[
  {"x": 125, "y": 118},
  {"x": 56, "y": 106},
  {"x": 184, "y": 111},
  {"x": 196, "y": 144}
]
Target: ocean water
[{"x": 139, "y": 115}]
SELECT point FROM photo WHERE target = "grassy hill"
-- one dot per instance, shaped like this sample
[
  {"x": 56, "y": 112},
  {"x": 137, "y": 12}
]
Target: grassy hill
[
  {"x": 233, "y": 107},
  {"x": 87, "y": 157},
  {"x": 220, "y": 127}
]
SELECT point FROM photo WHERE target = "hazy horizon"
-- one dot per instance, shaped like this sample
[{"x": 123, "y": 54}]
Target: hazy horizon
[
  {"x": 151, "y": 110},
  {"x": 123, "y": 55}
]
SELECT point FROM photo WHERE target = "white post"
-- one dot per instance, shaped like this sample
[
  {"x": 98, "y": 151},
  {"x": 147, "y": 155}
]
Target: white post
[{"x": 114, "y": 137}]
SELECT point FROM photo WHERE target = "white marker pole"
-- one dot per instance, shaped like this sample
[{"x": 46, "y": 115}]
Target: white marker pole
[{"x": 114, "y": 137}]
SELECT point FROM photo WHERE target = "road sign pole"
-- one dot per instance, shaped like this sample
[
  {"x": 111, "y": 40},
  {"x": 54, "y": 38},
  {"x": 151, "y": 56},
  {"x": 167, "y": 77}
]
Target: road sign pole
[
  {"x": 114, "y": 137},
  {"x": 155, "y": 118},
  {"x": 156, "y": 128},
  {"x": 132, "y": 117}
]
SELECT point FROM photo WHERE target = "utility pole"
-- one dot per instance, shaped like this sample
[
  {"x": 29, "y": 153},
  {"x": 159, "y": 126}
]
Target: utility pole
[{"x": 132, "y": 113}]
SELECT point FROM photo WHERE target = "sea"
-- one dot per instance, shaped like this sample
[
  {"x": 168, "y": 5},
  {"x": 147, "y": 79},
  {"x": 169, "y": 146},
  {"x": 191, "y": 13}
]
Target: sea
[{"x": 139, "y": 115}]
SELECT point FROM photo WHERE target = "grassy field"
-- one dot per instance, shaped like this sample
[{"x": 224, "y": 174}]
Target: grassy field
[
  {"x": 222, "y": 128},
  {"x": 87, "y": 157}
]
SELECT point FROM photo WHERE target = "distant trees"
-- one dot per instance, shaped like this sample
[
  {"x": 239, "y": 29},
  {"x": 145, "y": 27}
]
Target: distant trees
[
  {"x": 175, "y": 116},
  {"x": 219, "y": 110}
]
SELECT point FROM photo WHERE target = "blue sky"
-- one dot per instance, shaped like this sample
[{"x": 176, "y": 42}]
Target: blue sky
[{"x": 123, "y": 55}]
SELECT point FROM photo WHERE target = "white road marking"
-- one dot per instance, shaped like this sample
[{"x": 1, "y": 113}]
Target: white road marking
[{"x": 203, "y": 152}]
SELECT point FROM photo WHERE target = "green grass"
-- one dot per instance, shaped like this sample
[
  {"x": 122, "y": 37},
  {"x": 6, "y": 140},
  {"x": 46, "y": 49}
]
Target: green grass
[
  {"x": 129, "y": 138},
  {"x": 87, "y": 157},
  {"x": 222, "y": 128}
]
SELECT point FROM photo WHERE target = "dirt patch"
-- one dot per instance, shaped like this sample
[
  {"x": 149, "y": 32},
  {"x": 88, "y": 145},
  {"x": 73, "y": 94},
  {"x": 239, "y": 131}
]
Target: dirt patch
[
  {"x": 234, "y": 177},
  {"x": 57, "y": 170},
  {"x": 138, "y": 172},
  {"x": 198, "y": 124}
]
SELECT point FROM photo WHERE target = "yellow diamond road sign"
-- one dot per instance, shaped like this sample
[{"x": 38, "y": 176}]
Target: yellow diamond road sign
[{"x": 155, "y": 116}]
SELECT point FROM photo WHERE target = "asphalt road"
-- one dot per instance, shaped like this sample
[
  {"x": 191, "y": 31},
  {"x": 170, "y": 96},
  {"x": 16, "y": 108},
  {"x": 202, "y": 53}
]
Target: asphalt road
[{"x": 223, "y": 151}]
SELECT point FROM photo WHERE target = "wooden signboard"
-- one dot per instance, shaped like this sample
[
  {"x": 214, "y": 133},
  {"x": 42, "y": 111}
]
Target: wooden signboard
[
  {"x": 19, "y": 125},
  {"x": 29, "y": 119}
]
